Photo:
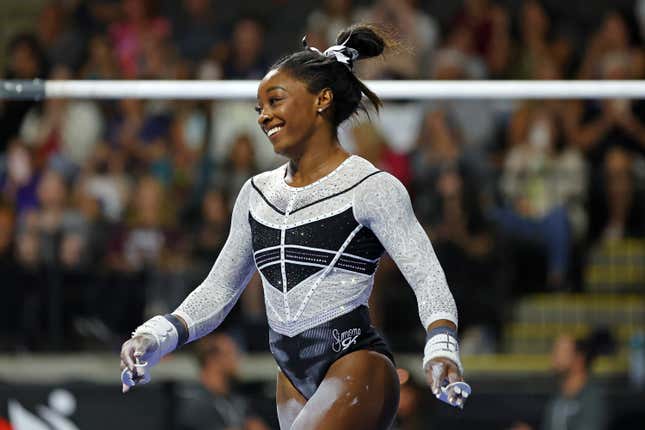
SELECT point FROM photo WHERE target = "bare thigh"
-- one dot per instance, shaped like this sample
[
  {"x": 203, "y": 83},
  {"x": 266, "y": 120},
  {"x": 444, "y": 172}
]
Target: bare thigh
[
  {"x": 289, "y": 402},
  {"x": 360, "y": 391}
]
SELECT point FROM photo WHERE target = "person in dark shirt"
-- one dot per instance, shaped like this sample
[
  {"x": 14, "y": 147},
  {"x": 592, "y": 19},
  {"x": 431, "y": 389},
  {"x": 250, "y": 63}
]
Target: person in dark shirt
[
  {"x": 214, "y": 403},
  {"x": 579, "y": 403}
]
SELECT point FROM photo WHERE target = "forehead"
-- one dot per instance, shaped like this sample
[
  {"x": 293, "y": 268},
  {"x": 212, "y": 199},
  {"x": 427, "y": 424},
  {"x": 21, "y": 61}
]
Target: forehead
[{"x": 278, "y": 78}]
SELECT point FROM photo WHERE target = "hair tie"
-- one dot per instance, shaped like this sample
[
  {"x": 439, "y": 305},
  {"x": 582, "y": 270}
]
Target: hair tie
[{"x": 342, "y": 54}]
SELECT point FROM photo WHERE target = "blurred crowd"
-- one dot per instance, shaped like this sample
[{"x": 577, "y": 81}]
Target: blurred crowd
[{"x": 113, "y": 211}]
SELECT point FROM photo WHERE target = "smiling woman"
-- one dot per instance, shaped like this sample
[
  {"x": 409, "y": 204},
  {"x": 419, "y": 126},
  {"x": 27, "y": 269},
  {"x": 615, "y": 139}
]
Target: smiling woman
[{"x": 315, "y": 228}]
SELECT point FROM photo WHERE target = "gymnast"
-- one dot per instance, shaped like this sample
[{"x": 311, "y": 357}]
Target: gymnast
[{"x": 315, "y": 228}]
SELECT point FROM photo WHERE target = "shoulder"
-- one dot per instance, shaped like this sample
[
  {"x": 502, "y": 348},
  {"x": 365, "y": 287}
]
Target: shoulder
[
  {"x": 593, "y": 392},
  {"x": 380, "y": 182},
  {"x": 269, "y": 178},
  {"x": 381, "y": 193}
]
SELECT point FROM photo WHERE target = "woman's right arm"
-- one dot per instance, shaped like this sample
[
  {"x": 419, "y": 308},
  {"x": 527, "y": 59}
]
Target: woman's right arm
[{"x": 205, "y": 308}]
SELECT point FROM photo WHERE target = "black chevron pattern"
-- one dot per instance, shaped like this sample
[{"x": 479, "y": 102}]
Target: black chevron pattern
[{"x": 311, "y": 247}]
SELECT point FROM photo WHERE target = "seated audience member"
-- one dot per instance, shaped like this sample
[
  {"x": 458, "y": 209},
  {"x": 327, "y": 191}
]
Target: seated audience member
[
  {"x": 215, "y": 403},
  {"x": 618, "y": 207},
  {"x": 543, "y": 185},
  {"x": 599, "y": 125},
  {"x": 579, "y": 403}
]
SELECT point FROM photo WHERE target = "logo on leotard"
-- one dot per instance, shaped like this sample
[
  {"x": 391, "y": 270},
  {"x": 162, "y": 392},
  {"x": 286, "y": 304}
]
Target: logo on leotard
[{"x": 343, "y": 340}]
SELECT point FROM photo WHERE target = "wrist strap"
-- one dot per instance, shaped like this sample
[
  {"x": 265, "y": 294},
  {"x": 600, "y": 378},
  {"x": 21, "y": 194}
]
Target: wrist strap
[
  {"x": 182, "y": 331},
  {"x": 165, "y": 334},
  {"x": 442, "y": 342}
]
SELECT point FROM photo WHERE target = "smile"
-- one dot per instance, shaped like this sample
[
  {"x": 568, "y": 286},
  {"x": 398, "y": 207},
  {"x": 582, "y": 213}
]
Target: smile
[{"x": 273, "y": 131}]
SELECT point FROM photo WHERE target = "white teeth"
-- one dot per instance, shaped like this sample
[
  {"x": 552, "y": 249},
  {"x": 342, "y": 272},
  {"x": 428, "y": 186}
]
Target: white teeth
[{"x": 273, "y": 131}]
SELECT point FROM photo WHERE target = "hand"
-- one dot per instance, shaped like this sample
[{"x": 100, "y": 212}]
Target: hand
[
  {"x": 135, "y": 353},
  {"x": 440, "y": 372}
]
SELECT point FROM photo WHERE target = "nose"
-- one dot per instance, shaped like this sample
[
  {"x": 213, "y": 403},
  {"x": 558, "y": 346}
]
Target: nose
[{"x": 264, "y": 117}]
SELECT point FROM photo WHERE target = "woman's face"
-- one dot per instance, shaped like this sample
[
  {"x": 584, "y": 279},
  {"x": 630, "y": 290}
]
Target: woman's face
[{"x": 288, "y": 112}]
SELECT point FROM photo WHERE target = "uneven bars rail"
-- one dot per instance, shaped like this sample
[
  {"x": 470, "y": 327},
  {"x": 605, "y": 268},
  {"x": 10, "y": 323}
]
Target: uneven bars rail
[{"x": 408, "y": 90}]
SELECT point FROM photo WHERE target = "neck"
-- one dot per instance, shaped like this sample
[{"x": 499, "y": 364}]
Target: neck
[
  {"x": 574, "y": 382},
  {"x": 315, "y": 163}
]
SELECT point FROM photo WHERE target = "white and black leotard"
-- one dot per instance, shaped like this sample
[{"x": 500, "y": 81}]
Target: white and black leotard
[{"x": 317, "y": 248}]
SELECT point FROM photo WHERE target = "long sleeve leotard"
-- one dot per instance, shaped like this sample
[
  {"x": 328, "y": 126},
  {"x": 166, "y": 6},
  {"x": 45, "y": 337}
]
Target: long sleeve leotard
[{"x": 317, "y": 248}]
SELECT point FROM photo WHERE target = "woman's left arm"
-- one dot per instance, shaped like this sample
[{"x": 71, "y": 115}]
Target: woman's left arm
[{"x": 383, "y": 205}]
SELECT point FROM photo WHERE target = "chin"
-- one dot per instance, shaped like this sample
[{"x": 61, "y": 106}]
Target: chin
[
  {"x": 283, "y": 149},
  {"x": 279, "y": 150}
]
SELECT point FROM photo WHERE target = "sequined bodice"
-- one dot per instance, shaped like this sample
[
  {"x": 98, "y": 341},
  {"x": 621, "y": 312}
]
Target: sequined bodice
[{"x": 317, "y": 248}]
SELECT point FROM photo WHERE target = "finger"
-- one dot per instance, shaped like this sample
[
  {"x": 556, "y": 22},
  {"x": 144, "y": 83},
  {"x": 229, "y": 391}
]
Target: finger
[
  {"x": 126, "y": 356},
  {"x": 453, "y": 374},
  {"x": 438, "y": 373}
]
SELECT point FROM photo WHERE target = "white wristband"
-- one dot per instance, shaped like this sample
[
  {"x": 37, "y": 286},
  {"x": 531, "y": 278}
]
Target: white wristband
[
  {"x": 164, "y": 333},
  {"x": 442, "y": 345}
]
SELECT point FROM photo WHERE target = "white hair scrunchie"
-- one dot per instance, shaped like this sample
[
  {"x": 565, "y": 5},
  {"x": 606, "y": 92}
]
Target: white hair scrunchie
[{"x": 342, "y": 54}]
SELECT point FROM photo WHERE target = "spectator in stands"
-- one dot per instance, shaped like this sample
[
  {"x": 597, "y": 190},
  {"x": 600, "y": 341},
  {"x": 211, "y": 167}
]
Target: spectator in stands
[
  {"x": 100, "y": 63},
  {"x": 371, "y": 144},
  {"x": 211, "y": 230},
  {"x": 449, "y": 194},
  {"x": 544, "y": 187},
  {"x": 419, "y": 30},
  {"x": 324, "y": 24},
  {"x": 596, "y": 126},
  {"x": 474, "y": 119},
  {"x": 246, "y": 58},
  {"x": 456, "y": 59},
  {"x": 62, "y": 132},
  {"x": 619, "y": 211},
  {"x": 197, "y": 31},
  {"x": 441, "y": 147},
  {"x": 25, "y": 60},
  {"x": 55, "y": 217},
  {"x": 151, "y": 215},
  {"x": 140, "y": 131},
  {"x": 188, "y": 137},
  {"x": 240, "y": 166},
  {"x": 545, "y": 68},
  {"x": 529, "y": 122},
  {"x": 105, "y": 178},
  {"x": 612, "y": 38},
  {"x": 19, "y": 179},
  {"x": 536, "y": 41},
  {"x": 215, "y": 402},
  {"x": 579, "y": 403},
  {"x": 486, "y": 24},
  {"x": 137, "y": 249},
  {"x": 62, "y": 43},
  {"x": 139, "y": 27}
]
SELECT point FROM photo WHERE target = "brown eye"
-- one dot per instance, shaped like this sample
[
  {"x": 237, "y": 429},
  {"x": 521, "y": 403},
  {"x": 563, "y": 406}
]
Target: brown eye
[{"x": 258, "y": 109}]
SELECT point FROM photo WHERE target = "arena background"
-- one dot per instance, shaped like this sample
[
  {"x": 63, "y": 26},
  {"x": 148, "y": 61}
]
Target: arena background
[{"x": 112, "y": 211}]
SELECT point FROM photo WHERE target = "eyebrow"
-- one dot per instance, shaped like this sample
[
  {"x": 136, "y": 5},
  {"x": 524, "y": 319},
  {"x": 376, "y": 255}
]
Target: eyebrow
[
  {"x": 273, "y": 88},
  {"x": 276, "y": 87}
]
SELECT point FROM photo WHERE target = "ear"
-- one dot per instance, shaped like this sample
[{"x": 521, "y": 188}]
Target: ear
[{"x": 324, "y": 100}]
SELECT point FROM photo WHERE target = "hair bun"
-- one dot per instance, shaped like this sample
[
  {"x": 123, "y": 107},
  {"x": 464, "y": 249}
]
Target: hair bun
[{"x": 367, "y": 39}]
